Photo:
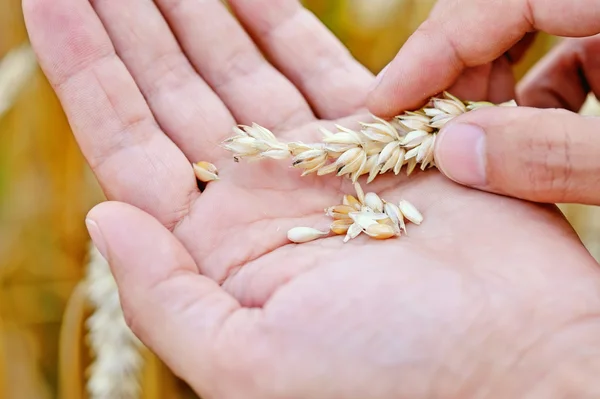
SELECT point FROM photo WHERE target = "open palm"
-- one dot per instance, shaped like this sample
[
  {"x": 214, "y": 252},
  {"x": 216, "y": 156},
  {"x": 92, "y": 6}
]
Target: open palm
[{"x": 209, "y": 281}]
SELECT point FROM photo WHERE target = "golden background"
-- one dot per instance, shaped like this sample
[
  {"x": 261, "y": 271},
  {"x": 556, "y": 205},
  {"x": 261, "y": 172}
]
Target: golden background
[{"x": 46, "y": 189}]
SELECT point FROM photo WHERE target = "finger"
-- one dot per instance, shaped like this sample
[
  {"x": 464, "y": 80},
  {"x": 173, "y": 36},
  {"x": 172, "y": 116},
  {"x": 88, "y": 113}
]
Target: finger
[
  {"x": 132, "y": 158},
  {"x": 301, "y": 47},
  {"x": 225, "y": 56},
  {"x": 176, "y": 312},
  {"x": 546, "y": 156},
  {"x": 186, "y": 108},
  {"x": 518, "y": 51},
  {"x": 564, "y": 77},
  {"x": 491, "y": 82},
  {"x": 463, "y": 34},
  {"x": 501, "y": 85}
]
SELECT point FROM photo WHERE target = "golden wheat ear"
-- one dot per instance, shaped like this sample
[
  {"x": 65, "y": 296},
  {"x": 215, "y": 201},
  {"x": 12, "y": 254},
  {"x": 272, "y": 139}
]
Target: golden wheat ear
[
  {"x": 378, "y": 147},
  {"x": 117, "y": 354}
]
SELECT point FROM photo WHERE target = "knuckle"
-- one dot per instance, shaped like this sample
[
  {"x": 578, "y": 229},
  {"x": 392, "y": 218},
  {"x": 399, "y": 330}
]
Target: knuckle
[{"x": 548, "y": 158}]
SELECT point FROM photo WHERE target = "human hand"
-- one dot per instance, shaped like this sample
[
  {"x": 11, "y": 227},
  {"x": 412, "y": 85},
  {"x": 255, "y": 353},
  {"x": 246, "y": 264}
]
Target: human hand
[
  {"x": 548, "y": 155},
  {"x": 489, "y": 294}
]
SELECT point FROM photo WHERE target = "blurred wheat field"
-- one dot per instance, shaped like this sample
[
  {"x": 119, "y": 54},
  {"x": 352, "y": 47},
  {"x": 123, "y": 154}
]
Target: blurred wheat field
[{"x": 46, "y": 189}]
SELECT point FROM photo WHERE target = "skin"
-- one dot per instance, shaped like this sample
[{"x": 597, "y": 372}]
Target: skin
[
  {"x": 542, "y": 151},
  {"x": 486, "y": 299}
]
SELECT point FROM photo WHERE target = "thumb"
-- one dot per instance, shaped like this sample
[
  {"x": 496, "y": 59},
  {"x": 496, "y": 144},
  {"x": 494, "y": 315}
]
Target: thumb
[
  {"x": 174, "y": 310},
  {"x": 541, "y": 155}
]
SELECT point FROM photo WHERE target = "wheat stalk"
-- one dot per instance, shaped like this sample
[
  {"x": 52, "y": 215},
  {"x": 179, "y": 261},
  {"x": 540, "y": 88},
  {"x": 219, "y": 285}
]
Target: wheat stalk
[
  {"x": 116, "y": 370},
  {"x": 16, "y": 68},
  {"x": 378, "y": 147}
]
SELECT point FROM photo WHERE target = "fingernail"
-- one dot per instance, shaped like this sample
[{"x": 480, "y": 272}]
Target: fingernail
[
  {"x": 96, "y": 236},
  {"x": 379, "y": 77},
  {"x": 460, "y": 154}
]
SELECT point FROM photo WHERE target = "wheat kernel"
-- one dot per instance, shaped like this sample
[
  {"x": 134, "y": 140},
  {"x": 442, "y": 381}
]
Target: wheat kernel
[
  {"x": 339, "y": 209},
  {"x": 351, "y": 200},
  {"x": 205, "y": 171},
  {"x": 410, "y": 212},
  {"x": 380, "y": 231},
  {"x": 341, "y": 226},
  {"x": 304, "y": 234}
]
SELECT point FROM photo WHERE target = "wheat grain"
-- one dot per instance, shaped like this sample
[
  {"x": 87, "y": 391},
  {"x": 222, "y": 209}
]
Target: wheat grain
[
  {"x": 365, "y": 213},
  {"x": 351, "y": 201},
  {"x": 372, "y": 210},
  {"x": 205, "y": 171},
  {"x": 304, "y": 234},
  {"x": 341, "y": 226},
  {"x": 410, "y": 212},
  {"x": 380, "y": 231}
]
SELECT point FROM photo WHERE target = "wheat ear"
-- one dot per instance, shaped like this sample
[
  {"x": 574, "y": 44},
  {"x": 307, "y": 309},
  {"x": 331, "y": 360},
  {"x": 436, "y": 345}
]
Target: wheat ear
[
  {"x": 116, "y": 369},
  {"x": 378, "y": 147}
]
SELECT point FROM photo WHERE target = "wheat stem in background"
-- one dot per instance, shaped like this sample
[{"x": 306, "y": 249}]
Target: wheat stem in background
[
  {"x": 15, "y": 69},
  {"x": 116, "y": 370}
]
